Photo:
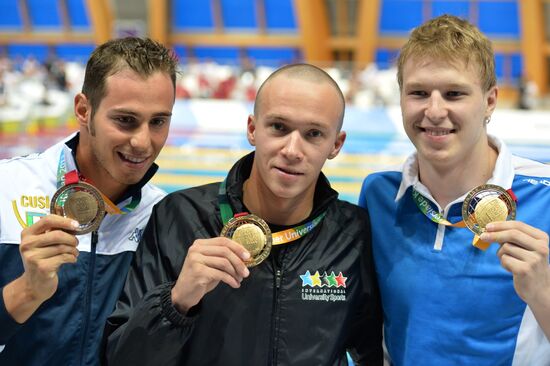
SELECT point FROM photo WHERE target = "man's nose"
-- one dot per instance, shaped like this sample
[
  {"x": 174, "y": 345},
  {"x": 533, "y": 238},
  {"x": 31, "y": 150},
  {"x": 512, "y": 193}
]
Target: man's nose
[
  {"x": 293, "y": 149},
  {"x": 141, "y": 137},
  {"x": 436, "y": 110}
]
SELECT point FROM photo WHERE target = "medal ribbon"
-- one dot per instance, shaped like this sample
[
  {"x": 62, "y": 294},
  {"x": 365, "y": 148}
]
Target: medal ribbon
[
  {"x": 425, "y": 207},
  {"x": 280, "y": 237},
  {"x": 64, "y": 177}
]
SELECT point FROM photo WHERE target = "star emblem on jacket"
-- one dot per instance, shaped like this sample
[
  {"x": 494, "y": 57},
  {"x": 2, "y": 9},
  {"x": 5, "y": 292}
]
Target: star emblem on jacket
[
  {"x": 325, "y": 280},
  {"x": 341, "y": 280}
]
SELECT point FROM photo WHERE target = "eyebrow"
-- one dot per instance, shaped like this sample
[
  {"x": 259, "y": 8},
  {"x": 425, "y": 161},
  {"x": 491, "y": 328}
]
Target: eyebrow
[
  {"x": 163, "y": 114},
  {"x": 132, "y": 113},
  {"x": 415, "y": 85},
  {"x": 278, "y": 117},
  {"x": 275, "y": 116}
]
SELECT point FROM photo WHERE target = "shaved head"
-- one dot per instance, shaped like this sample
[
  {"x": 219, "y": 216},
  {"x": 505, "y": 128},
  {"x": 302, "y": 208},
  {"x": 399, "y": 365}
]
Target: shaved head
[{"x": 305, "y": 72}]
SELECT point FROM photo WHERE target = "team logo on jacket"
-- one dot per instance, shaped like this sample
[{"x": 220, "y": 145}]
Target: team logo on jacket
[
  {"x": 325, "y": 287},
  {"x": 534, "y": 181},
  {"x": 136, "y": 235},
  {"x": 30, "y": 209}
]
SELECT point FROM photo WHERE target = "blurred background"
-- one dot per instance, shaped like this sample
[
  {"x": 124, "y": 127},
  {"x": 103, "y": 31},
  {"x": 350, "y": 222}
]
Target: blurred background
[{"x": 228, "y": 47}]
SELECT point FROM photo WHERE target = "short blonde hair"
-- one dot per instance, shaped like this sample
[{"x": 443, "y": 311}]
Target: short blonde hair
[{"x": 452, "y": 39}]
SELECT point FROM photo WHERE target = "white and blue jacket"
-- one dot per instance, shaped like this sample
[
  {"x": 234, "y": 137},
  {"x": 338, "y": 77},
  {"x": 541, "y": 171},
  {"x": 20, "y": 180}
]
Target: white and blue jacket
[
  {"x": 67, "y": 328},
  {"x": 446, "y": 302}
]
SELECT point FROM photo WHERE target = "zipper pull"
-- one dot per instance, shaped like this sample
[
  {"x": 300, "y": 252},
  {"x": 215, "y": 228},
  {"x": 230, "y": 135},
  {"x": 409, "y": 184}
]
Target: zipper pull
[{"x": 278, "y": 279}]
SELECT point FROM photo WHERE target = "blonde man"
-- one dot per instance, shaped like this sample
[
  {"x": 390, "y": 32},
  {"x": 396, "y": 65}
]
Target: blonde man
[{"x": 445, "y": 301}]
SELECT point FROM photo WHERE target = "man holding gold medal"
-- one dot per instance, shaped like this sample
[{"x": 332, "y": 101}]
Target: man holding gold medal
[
  {"x": 450, "y": 296},
  {"x": 267, "y": 267},
  {"x": 62, "y": 273}
]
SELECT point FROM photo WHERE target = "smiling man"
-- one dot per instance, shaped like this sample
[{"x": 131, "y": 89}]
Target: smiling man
[
  {"x": 445, "y": 301},
  {"x": 58, "y": 284},
  {"x": 190, "y": 299}
]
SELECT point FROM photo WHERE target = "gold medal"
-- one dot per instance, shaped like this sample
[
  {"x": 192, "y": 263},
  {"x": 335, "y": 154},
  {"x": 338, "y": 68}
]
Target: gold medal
[
  {"x": 253, "y": 234},
  {"x": 81, "y": 202},
  {"x": 485, "y": 204}
]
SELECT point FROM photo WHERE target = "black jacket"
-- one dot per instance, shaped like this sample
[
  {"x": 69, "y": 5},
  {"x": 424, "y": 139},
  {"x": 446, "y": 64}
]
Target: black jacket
[{"x": 276, "y": 317}]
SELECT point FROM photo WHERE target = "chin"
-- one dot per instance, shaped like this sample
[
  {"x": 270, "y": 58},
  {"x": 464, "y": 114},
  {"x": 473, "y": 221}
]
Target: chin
[
  {"x": 288, "y": 194},
  {"x": 128, "y": 180}
]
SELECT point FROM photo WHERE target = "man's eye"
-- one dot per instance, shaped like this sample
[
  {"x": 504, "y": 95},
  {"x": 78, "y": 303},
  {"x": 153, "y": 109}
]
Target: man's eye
[
  {"x": 278, "y": 126},
  {"x": 125, "y": 120},
  {"x": 158, "y": 121},
  {"x": 454, "y": 94},
  {"x": 315, "y": 133}
]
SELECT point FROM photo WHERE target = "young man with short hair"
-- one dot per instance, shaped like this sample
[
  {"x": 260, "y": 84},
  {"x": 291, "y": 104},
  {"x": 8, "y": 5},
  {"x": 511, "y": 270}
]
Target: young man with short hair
[
  {"x": 57, "y": 287},
  {"x": 445, "y": 301},
  {"x": 190, "y": 299}
]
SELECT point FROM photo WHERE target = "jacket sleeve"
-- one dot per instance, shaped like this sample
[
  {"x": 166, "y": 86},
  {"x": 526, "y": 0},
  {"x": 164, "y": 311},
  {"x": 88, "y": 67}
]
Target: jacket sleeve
[
  {"x": 365, "y": 342},
  {"x": 8, "y": 326},
  {"x": 145, "y": 328}
]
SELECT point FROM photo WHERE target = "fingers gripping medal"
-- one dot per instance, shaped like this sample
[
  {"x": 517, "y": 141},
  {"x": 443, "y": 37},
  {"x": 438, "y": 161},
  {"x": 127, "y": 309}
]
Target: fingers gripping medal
[
  {"x": 485, "y": 204},
  {"x": 81, "y": 202},
  {"x": 253, "y": 234}
]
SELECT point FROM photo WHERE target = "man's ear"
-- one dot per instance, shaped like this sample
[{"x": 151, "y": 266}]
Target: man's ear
[
  {"x": 338, "y": 143},
  {"x": 492, "y": 96},
  {"x": 251, "y": 129},
  {"x": 82, "y": 110}
]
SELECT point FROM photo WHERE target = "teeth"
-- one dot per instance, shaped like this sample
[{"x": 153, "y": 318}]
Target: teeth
[
  {"x": 133, "y": 160},
  {"x": 437, "y": 132}
]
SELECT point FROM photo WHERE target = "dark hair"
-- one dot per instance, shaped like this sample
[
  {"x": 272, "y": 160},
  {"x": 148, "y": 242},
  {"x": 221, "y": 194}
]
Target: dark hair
[{"x": 142, "y": 55}]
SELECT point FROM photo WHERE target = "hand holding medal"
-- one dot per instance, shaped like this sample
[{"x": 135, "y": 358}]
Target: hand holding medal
[
  {"x": 252, "y": 233},
  {"x": 79, "y": 201},
  {"x": 485, "y": 204}
]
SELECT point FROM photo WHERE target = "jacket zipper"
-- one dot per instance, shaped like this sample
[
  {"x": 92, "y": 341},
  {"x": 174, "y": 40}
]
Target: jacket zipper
[
  {"x": 88, "y": 302},
  {"x": 275, "y": 317}
]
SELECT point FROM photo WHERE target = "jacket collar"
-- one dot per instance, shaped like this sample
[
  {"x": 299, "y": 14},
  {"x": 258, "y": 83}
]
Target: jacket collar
[
  {"x": 503, "y": 174},
  {"x": 323, "y": 197}
]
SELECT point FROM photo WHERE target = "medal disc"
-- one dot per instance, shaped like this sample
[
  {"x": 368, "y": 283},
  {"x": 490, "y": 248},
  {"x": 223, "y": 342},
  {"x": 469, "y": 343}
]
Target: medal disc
[
  {"x": 485, "y": 204},
  {"x": 253, "y": 234},
  {"x": 81, "y": 202},
  {"x": 82, "y": 206},
  {"x": 251, "y": 237}
]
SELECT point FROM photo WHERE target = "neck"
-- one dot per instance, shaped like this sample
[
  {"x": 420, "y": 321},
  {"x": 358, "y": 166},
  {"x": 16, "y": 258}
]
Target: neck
[
  {"x": 99, "y": 177},
  {"x": 275, "y": 210},
  {"x": 449, "y": 182}
]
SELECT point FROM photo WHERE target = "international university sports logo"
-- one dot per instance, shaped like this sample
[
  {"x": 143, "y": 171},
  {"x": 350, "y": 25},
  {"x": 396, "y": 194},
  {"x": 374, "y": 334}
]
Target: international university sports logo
[{"x": 325, "y": 287}]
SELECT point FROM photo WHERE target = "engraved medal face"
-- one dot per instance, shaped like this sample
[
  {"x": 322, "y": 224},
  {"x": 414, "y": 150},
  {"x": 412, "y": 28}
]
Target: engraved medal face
[
  {"x": 82, "y": 206},
  {"x": 253, "y": 234},
  {"x": 251, "y": 237},
  {"x": 485, "y": 204},
  {"x": 81, "y": 202}
]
